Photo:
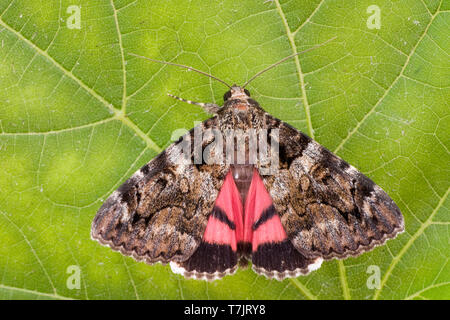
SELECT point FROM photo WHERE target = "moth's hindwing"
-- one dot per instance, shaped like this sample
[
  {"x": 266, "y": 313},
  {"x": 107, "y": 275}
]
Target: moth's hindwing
[
  {"x": 273, "y": 254},
  {"x": 160, "y": 213},
  {"x": 327, "y": 207},
  {"x": 217, "y": 254}
]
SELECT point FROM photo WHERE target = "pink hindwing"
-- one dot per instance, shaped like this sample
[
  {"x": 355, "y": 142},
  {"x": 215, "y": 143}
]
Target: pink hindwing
[
  {"x": 227, "y": 213},
  {"x": 217, "y": 255},
  {"x": 233, "y": 233},
  {"x": 273, "y": 254},
  {"x": 261, "y": 223}
]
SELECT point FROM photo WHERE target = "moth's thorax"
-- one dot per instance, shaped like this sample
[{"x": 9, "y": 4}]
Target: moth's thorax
[
  {"x": 243, "y": 115},
  {"x": 240, "y": 111},
  {"x": 239, "y": 96}
]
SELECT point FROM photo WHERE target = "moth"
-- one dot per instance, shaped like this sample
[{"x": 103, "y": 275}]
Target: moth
[{"x": 207, "y": 218}]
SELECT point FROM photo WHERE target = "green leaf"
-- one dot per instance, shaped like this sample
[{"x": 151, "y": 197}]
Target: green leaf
[{"x": 78, "y": 115}]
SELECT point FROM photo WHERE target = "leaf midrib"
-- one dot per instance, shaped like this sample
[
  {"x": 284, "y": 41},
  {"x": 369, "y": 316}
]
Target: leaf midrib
[{"x": 300, "y": 74}]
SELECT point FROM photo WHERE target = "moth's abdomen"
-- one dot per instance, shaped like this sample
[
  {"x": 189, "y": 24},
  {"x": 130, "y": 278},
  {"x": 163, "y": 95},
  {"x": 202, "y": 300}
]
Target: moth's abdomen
[{"x": 242, "y": 175}]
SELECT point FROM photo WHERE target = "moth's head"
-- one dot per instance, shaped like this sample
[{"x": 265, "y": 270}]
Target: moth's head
[{"x": 236, "y": 93}]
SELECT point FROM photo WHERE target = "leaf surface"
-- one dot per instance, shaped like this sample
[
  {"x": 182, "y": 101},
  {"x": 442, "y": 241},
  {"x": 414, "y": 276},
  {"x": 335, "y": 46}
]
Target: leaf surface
[{"x": 78, "y": 116}]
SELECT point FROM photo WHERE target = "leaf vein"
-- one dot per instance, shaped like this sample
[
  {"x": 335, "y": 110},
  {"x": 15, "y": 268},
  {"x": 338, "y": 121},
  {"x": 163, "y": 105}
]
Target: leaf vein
[
  {"x": 119, "y": 114},
  {"x": 124, "y": 73},
  {"x": 410, "y": 242},
  {"x": 372, "y": 110},
  {"x": 299, "y": 69},
  {"x": 32, "y": 250}
]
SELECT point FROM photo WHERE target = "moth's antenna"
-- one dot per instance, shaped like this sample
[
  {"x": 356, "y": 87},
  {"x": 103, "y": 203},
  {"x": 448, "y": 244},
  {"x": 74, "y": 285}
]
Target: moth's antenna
[
  {"x": 183, "y": 66},
  {"x": 284, "y": 59}
]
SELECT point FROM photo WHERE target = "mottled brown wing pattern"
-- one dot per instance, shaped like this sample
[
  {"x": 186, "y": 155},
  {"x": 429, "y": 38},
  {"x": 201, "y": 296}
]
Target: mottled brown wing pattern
[
  {"x": 160, "y": 213},
  {"x": 327, "y": 207}
]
